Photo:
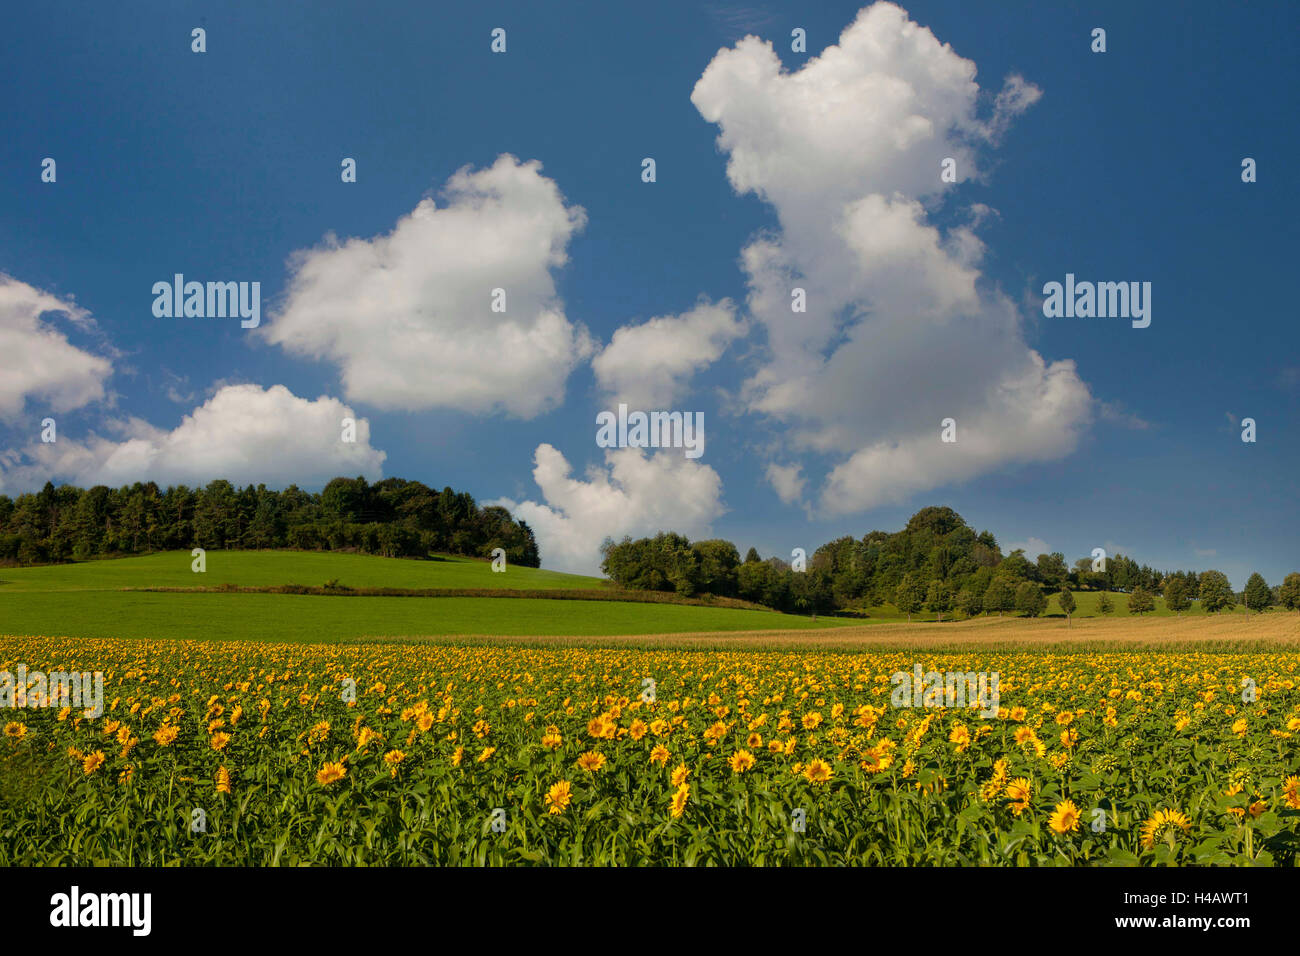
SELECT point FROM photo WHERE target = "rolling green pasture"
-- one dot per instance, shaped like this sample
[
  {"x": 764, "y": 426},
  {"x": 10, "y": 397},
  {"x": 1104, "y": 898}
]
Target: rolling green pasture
[
  {"x": 91, "y": 599},
  {"x": 263, "y": 568},
  {"x": 293, "y": 617},
  {"x": 88, "y": 600}
]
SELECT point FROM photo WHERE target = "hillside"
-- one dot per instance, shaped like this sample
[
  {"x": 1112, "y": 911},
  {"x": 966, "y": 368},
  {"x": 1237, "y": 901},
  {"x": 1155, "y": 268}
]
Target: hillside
[
  {"x": 104, "y": 599},
  {"x": 269, "y": 568}
]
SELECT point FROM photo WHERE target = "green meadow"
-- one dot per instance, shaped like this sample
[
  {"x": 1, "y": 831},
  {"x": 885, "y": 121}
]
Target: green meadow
[
  {"x": 92, "y": 599},
  {"x": 172, "y": 569},
  {"x": 100, "y": 599}
]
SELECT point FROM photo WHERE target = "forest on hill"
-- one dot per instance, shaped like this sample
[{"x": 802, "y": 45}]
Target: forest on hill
[
  {"x": 937, "y": 562},
  {"x": 393, "y": 517}
]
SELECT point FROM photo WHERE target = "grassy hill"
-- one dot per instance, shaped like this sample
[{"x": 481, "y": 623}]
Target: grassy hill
[
  {"x": 101, "y": 599},
  {"x": 90, "y": 600},
  {"x": 266, "y": 568}
]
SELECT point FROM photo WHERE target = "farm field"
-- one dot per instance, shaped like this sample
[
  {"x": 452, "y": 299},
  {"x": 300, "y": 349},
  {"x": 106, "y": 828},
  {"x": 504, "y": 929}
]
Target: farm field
[
  {"x": 1085, "y": 607},
  {"x": 263, "y": 568},
  {"x": 290, "y": 617},
  {"x": 238, "y": 704},
  {"x": 1275, "y": 631},
  {"x": 95, "y": 599},
  {"x": 1098, "y": 757}
]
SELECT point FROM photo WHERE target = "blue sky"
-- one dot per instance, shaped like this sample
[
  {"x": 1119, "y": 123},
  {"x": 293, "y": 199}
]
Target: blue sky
[{"x": 225, "y": 166}]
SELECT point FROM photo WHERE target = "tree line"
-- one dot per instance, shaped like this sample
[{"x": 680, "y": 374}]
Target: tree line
[
  {"x": 393, "y": 517},
  {"x": 937, "y": 563}
]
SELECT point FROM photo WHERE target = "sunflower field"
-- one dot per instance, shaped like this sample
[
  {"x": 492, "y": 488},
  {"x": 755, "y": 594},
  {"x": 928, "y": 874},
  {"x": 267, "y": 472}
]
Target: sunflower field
[{"x": 212, "y": 753}]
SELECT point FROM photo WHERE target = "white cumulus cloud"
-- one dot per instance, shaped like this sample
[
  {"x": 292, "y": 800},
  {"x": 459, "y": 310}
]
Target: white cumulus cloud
[
  {"x": 900, "y": 331},
  {"x": 408, "y": 318},
  {"x": 651, "y": 364},
  {"x": 243, "y": 433},
  {"x": 631, "y": 494},
  {"x": 37, "y": 362},
  {"x": 787, "y": 481},
  {"x": 1032, "y": 547}
]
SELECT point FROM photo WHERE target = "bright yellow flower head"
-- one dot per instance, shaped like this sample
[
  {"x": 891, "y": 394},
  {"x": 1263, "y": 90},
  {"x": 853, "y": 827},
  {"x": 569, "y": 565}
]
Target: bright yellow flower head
[
  {"x": 1065, "y": 818},
  {"x": 740, "y": 761},
  {"x": 591, "y": 761},
  {"x": 558, "y": 796},
  {"x": 1018, "y": 792},
  {"x": 331, "y": 773},
  {"x": 1166, "y": 823},
  {"x": 678, "y": 805},
  {"x": 817, "y": 771}
]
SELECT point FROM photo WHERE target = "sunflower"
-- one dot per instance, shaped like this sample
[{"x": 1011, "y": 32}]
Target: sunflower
[
  {"x": 331, "y": 773},
  {"x": 992, "y": 787},
  {"x": 960, "y": 736},
  {"x": 602, "y": 727},
  {"x": 591, "y": 761},
  {"x": 679, "y": 799},
  {"x": 223, "y": 780},
  {"x": 1065, "y": 818},
  {"x": 740, "y": 761},
  {"x": 15, "y": 730},
  {"x": 1018, "y": 792},
  {"x": 680, "y": 774},
  {"x": 219, "y": 740},
  {"x": 1164, "y": 823},
  {"x": 817, "y": 771},
  {"x": 558, "y": 796},
  {"x": 393, "y": 758},
  {"x": 165, "y": 735},
  {"x": 93, "y": 762},
  {"x": 659, "y": 755}
]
